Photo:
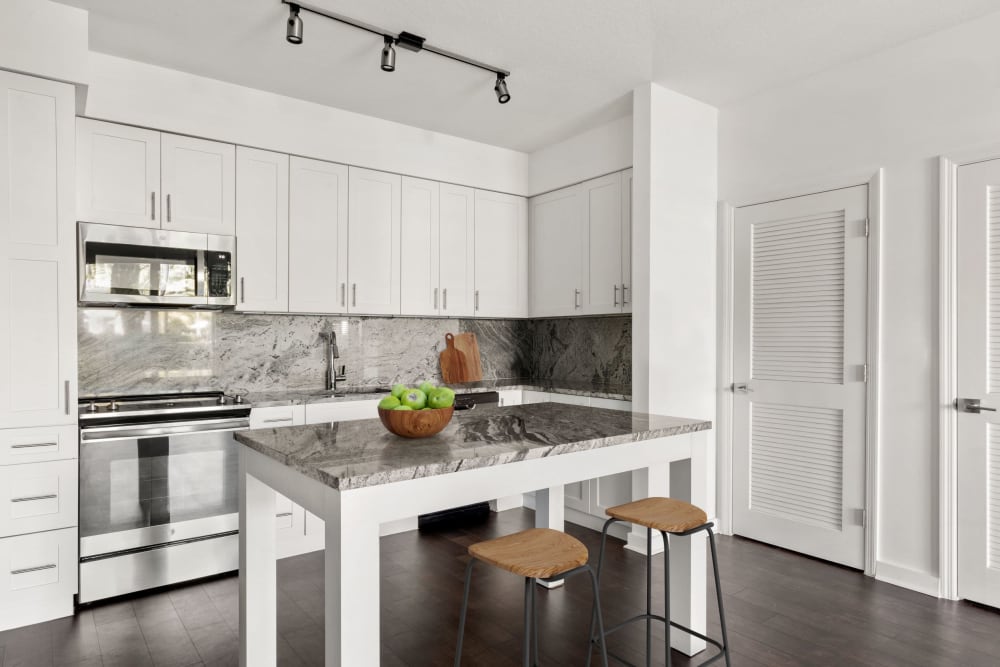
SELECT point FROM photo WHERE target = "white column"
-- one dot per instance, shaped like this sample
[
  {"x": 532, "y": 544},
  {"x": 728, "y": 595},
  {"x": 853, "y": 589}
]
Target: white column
[
  {"x": 550, "y": 510},
  {"x": 258, "y": 573}
]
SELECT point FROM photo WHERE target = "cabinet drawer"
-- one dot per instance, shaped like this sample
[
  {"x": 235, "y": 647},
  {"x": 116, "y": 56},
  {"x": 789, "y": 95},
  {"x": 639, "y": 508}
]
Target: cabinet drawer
[
  {"x": 277, "y": 416},
  {"x": 38, "y": 496},
  {"x": 38, "y": 577},
  {"x": 343, "y": 411},
  {"x": 31, "y": 445}
]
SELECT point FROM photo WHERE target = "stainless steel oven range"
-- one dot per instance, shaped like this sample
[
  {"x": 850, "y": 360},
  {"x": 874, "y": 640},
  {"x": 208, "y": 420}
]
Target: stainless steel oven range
[{"x": 159, "y": 496}]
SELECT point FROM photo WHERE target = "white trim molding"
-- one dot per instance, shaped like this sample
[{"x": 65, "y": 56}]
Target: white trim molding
[
  {"x": 905, "y": 577},
  {"x": 726, "y": 335}
]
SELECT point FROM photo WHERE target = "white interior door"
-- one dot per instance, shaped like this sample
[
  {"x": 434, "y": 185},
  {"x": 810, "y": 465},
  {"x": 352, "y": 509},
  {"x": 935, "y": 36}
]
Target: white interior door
[
  {"x": 978, "y": 352},
  {"x": 799, "y": 364}
]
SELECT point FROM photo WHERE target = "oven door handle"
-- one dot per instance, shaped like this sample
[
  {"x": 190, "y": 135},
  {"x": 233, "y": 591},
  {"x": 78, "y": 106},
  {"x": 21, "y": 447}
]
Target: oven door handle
[{"x": 133, "y": 431}]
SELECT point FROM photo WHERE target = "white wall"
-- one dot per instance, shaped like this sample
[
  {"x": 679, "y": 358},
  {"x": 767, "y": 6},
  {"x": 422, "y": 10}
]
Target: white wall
[
  {"x": 131, "y": 92},
  {"x": 899, "y": 109},
  {"x": 44, "y": 39},
  {"x": 674, "y": 259},
  {"x": 598, "y": 151}
]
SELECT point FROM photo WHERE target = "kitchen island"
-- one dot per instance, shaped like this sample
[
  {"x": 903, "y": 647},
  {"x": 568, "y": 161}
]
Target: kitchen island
[{"x": 357, "y": 476}]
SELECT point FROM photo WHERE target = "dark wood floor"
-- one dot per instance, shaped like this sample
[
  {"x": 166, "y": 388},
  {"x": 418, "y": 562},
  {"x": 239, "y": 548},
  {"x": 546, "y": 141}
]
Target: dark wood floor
[{"x": 782, "y": 609}]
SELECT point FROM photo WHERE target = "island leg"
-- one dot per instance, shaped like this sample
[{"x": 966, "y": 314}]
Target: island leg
[
  {"x": 258, "y": 572},
  {"x": 687, "y": 554},
  {"x": 550, "y": 510},
  {"x": 352, "y": 582}
]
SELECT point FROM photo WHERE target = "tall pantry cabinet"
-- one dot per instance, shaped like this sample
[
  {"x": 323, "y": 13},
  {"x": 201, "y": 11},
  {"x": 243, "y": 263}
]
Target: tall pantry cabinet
[{"x": 38, "y": 437}]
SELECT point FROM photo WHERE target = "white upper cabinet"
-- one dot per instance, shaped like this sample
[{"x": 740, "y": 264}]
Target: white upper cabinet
[
  {"x": 199, "y": 185},
  {"x": 373, "y": 232},
  {"x": 37, "y": 253},
  {"x": 501, "y": 288},
  {"x": 317, "y": 237},
  {"x": 262, "y": 230},
  {"x": 420, "y": 292},
  {"x": 602, "y": 282},
  {"x": 117, "y": 174},
  {"x": 558, "y": 253},
  {"x": 457, "y": 250},
  {"x": 627, "y": 241}
]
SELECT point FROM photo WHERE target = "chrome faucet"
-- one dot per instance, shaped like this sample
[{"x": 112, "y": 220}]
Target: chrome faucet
[{"x": 333, "y": 374}]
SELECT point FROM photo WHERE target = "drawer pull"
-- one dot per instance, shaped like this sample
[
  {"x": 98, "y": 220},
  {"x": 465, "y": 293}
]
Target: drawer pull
[
  {"x": 276, "y": 421},
  {"x": 28, "y": 445},
  {"x": 281, "y": 515},
  {"x": 27, "y": 499},
  {"x": 26, "y": 570}
]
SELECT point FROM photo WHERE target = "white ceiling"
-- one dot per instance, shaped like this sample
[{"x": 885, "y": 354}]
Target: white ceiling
[{"x": 573, "y": 63}]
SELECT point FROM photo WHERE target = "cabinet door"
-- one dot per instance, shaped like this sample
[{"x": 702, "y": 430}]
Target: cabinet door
[
  {"x": 373, "y": 242},
  {"x": 419, "y": 248},
  {"x": 262, "y": 230},
  {"x": 557, "y": 252},
  {"x": 199, "y": 185},
  {"x": 117, "y": 174},
  {"x": 627, "y": 241},
  {"x": 602, "y": 239},
  {"x": 37, "y": 253},
  {"x": 458, "y": 250},
  {"x": 501, "y": 255},
  {"x": 317, "y": 237}
]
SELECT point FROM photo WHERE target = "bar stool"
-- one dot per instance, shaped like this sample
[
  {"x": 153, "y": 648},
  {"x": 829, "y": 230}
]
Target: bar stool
[
  {"x": 674, "y": 517},
  {"x": 536, "y": 554}
]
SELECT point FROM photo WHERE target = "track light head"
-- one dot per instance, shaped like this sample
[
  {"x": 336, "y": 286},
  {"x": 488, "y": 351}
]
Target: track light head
[
  {"x": 388, "y": 56},
  {"x": 293, "y": 32},
  {"x": 501, "y": 89}
]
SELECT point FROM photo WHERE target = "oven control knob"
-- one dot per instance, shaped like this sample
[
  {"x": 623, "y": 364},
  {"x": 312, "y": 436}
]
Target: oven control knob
[
  {"x": 92, "y": 407},
  {"x": 238, "y": 399},
  {"x": 113, "y": 406},
  {"x": 222, "y": 400}
]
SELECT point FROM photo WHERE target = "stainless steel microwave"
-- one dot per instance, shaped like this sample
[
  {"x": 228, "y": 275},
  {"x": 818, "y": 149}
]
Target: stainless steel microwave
[{"x": 133, "y": 266}]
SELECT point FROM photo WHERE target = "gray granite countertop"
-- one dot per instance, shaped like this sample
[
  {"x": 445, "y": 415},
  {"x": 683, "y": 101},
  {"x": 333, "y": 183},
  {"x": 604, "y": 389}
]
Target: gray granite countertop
[
  {"x": 356, "y": 454},
  {"x": 572, "y": 387}
]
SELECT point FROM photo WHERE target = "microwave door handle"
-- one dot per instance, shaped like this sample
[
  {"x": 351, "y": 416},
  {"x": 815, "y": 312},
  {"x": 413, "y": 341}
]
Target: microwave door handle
[{"x": 131, "y": 432}]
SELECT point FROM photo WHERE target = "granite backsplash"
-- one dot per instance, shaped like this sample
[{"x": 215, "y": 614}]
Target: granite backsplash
[{"x": 135, "y": 351}]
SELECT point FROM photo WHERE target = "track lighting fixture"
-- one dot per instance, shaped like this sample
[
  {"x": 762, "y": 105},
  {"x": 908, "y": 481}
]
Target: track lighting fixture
[
  {"x": 293, "y": 32},
  {"x": 404, "y": 39},
  {"x": 388, "y": 56},
  {"x": 501, "y": 89}
]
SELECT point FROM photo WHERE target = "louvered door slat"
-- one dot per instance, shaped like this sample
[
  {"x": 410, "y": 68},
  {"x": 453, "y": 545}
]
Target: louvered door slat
[
  {"x": 993, "y": 290},
  {"x": 993, "y": 497}
]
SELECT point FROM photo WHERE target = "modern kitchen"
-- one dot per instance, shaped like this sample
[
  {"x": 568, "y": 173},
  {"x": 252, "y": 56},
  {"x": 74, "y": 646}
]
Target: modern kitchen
[{"x": 319, "y": 322}]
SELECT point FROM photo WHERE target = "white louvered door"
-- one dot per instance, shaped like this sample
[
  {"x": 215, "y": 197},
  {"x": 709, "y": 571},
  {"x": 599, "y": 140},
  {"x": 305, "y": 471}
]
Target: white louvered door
[
  {"x": 798, "y": 359},
  {"x": 978, "y": 357}
]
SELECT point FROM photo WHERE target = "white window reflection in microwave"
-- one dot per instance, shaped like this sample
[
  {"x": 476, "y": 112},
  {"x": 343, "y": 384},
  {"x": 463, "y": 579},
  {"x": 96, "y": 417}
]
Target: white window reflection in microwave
[{"x": 139, "y": 276}]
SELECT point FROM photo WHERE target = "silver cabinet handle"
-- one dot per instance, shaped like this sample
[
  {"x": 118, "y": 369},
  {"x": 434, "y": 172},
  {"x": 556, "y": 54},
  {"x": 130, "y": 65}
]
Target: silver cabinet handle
[
  {"x": 28, "y": 445},
  {"x": 435, "y": 298},
  {"x": 624, "y": 292},
  {"x": 354, "y": 294},
  {"x": 28, "y": 499},
  {"x": 282, "y": 515},
  {"x": 26, "y": 570},
  {"x": 243, "y": 291},
  {"x": 152, "y": 205},
  {"x": 343, "y": 294},
  {"x": 168, "y": 209},
  {"x": 576, "y": 298},
  {"x": 446, "y": 298},
  {"x": 477, "y": 299},
  {"x": 66, "y": 393},
  {"x": 616, "y": 295},
  {"x": 971, "y": 405},
  {"x": 276, "y": 421}
]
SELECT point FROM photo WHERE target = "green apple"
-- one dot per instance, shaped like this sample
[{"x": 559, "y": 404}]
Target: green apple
[
  {"x": 403, "y": 407},
  {"x": 441, "y": 399},
  {"x": 413, "y": 398},
  {"x": 388, "y": 403},
  {"x": 427, "y": 387},
  {"x": 398, "y": 390}
]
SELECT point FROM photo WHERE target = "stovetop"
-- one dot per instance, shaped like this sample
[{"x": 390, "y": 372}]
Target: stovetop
[{"x": 195, "y": 405}]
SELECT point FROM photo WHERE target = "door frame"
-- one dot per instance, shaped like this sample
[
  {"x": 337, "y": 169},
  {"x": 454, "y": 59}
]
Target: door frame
[
  {"x": 948, "y": 363},
  {"x": 724, "y": 410}
]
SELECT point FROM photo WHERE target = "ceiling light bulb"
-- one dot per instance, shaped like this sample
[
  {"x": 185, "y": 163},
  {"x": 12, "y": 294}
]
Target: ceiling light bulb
[
  {"x": 388, "y": 56},
  {"x": 501, "y": 89},
  {"x": 293, "y": 32}
]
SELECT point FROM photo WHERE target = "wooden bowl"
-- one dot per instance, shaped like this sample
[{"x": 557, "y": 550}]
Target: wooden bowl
[{"x": 416, "y": 423}]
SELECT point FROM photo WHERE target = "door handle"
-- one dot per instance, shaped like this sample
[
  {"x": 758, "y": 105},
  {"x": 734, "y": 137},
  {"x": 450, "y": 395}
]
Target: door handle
[
  {"x": 971, "y": 405},
  {"x": 742, "y": 388}
]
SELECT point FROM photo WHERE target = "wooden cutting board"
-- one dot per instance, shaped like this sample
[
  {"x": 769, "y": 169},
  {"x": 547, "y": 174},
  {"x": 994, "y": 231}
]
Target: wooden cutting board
[
  {"x": 467, "y": 344},
  {"x": 453, "y": 364}
]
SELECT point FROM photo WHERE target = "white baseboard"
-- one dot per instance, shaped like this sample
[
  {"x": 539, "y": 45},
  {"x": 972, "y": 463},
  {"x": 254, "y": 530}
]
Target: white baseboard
[
  {"x": 905, "y": 577},
  {"x": 507, "y": 503},
  {"x": 398, "y": 526}
]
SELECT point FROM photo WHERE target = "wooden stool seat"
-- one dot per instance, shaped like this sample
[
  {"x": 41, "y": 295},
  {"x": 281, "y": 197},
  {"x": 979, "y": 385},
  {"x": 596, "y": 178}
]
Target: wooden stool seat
[
  {"x": 665, "y": 514},
  {"x": 539, "y": 553}
]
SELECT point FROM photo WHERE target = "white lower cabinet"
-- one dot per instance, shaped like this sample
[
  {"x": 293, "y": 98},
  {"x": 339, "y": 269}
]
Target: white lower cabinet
[
  {"x": 341, "y": 411},
  {"x": 38, "y": 577},
  {"x": 38, "y": 496}
]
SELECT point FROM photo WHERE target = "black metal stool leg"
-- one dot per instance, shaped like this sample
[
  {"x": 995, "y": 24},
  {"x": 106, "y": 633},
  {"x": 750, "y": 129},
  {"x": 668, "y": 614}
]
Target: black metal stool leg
[
  {"x": 649, "y": 596},
  {"x": 465, "y": 608},
  {"x": 600, "y": 620},
  {"x": 534, "y": 626},
  {"x": 718, "y": 593},
  {"x": 594, "y": 615},
  {"x": 666, "y": 595},
  {"x": 527, "y": 621}
]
